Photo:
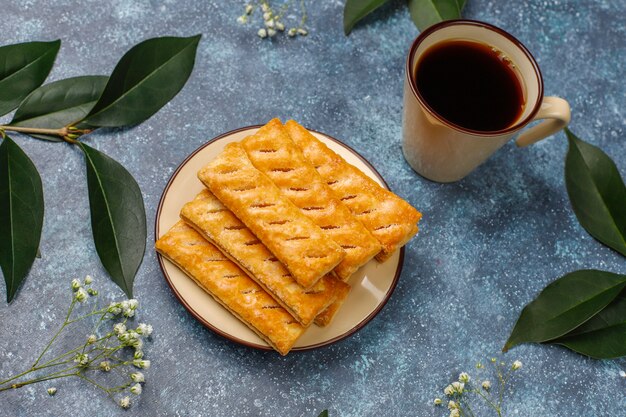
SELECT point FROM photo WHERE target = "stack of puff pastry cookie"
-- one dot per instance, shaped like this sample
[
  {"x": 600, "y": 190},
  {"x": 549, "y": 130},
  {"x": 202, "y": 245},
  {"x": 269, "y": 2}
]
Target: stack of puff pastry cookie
[{"x": 281, "y": 226}]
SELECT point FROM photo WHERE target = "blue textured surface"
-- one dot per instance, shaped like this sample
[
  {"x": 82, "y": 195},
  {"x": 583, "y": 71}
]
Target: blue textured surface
[{"x": 487, "y": 244}]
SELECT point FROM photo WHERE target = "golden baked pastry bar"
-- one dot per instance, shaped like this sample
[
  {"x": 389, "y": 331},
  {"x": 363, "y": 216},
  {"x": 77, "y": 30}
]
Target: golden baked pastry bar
[
  {"x": 327, "y": 316},
  {"x": 305, "y": 250},
  {"x": 222, "y": 228},
  {"x": 391, "y": 220},
  {"x": 230, "y": 286},
  {"x": 272, "y": 152}
]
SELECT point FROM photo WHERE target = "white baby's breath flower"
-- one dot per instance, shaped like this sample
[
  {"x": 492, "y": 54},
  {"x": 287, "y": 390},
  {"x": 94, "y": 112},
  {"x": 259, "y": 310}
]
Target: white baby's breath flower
[
  {"x": 105, "y": 366},
  {"x": 92, "y": 292},
  {"x": 129, "y": 338},
  {"x": 144, "y": 329},
  {"x": 75, "y": 284},
  {"x": 262, "y": 33},
  {"x": 516, "y": 365},
  {"x": 125, "y": 305},
  {"x": 458, "y": 387},
  {"x": 82, "y": 359},
  {"x": 270, "y": 24},
  {"x": 280, "y": 26},
  {"x": 81, "y": 295},
  {"x": 437, "y": 401},
  {"x": 292, "y": 32},
  {"x": 51, "y": 391},
  {"x": 302, "y": 32},
  {"x": 141, "y": 364},
  {"x": 267, "y": 16},
  {"x": 137, "y": 344},
  {"x": 242, "y": 19},
  {"x": 464, "y": 377},
  {"x": 622, "y": 374},
  {"x": 88, "y": 280},
  {"x": 249, "y": 8},
  {"x": 455, "y": 413},
  {"x": 137, "y": 377},
  {"x": 119, "y": 328},
  {"x": 486, "y": 385},
  {"x": 125, "y": 402},
  {"x": 138, "y": 354},
  {"x": 133, "y": 304},
  {"x": 452, "y": 405},
  {"x": 265, "y": 7},
  {"x": 115, "y": 308},
  {"x": 271, "y": 32},
  {"x": 91, "y": 339},
  {"x": 449, "y": 390},
  {"x": 129, "y": 313},
  {"x": 136, "y": 389}
]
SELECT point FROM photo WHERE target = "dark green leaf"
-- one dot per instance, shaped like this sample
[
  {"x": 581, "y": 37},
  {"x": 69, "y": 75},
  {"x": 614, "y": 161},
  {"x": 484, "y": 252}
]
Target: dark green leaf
[
  {"x": 24, "y": 67},
  {"x": 356, "y": 10},
  {"x": 428, "y": 12},
  {"x": 565, "y": 304},
  {"x": 604, "y": 335},
  {"x": 323, "y": 414},
  {"x": 118, "y": 217},
  {"x": 597, "y": 192},
  {"x": 145, "y": 79},
  {"x": 21, "y": 214},
  {"x": 59, "y": 103}
]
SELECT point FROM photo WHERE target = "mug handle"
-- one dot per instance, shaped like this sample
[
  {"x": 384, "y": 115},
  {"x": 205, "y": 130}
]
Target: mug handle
[{"x": 557, "y": 111}]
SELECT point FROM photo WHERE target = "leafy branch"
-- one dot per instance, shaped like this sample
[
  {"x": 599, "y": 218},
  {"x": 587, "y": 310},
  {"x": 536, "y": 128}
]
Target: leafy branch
[
  {"x": 585, "y": 310},
  {"x": 146, "y": 78},
  {"x": 423, "y": 12}
]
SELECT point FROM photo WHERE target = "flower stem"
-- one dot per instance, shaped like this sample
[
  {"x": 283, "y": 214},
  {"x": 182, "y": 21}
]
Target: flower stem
[
  {"x": 41, "y": 379},
  {"x": 65, "y": 322}
]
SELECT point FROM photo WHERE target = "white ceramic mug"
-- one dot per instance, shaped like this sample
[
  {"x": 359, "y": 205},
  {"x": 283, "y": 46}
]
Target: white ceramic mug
[{"x": 444, "y": 152}]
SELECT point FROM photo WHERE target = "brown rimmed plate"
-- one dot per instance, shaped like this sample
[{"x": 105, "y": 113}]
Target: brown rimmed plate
[{"x": 372, "y": 285}]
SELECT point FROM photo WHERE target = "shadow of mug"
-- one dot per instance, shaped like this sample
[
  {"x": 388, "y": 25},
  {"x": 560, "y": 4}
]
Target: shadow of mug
[{"x": 442, "y": 151}]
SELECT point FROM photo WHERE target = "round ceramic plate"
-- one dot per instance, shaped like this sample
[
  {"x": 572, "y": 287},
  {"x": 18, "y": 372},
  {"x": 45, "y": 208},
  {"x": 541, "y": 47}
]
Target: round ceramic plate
[{"x": 372, "y": 285}]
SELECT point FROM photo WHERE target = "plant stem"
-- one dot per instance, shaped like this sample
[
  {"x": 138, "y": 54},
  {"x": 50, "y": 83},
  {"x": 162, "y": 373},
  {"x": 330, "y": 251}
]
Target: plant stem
[
  {"x": 41, "y": 379},
  {"x": 68, "y": 134},
  {"x": 62, "y": 132},
  {"x": 67, "y": 316}
]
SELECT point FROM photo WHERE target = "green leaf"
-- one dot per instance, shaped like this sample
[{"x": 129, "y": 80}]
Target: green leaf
[
  {"x": 564, "y": 305},
  {"x": 21, "y": 214},
  {"x": 356, "y": 10},
  {"x": 144, "y": 80},
  {"x": 603, "y": 336},
  {"x": 118, "y": 217},
  {"x": 59, "y": 103},
  {"x": 323, "y": 414},
  {"x": 24, "y": 67},
  {"x": 428, "y": 12},
  {"x": 597, "y": 192}
]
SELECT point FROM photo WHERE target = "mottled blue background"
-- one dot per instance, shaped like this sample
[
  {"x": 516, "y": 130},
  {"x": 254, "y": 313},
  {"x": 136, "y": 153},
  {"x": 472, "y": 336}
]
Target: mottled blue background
[{"x": 487, "y": 244}]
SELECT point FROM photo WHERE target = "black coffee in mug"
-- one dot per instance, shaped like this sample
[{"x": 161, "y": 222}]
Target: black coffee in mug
[{"x": 471, "y": 85}]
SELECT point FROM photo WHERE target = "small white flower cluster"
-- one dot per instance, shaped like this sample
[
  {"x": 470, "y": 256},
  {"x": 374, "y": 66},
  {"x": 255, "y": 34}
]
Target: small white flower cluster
[
  {"x": 82, "y": 291},
  {"x": 132, "y": 338},
  {"x": 126, "y": 308},
  {"x": 272, "y": 21},
  {"x": 460, "y": 389}
]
